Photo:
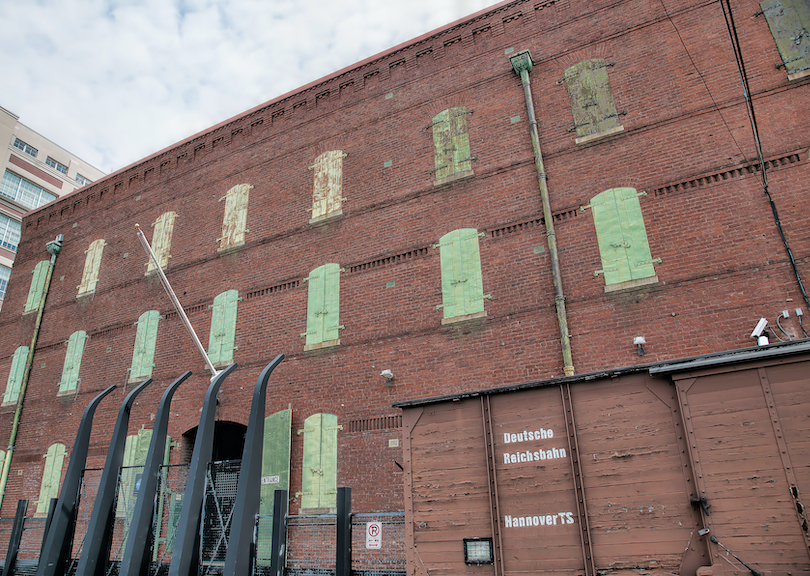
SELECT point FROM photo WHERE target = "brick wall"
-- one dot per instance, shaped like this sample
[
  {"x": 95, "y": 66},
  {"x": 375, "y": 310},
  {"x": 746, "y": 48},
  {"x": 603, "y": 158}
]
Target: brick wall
[{"x": 686, "y": 142}]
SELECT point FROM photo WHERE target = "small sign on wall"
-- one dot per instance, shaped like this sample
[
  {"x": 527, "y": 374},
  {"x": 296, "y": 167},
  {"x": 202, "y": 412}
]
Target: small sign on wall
[{"x": 373, "y": 535}]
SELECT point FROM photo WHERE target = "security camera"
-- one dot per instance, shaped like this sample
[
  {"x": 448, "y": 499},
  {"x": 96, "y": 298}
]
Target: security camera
[{"x": 760, "y": 328}]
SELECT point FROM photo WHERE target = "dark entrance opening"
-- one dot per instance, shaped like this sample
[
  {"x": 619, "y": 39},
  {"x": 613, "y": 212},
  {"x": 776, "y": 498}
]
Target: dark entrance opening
[{"x": 220, "y": 487}]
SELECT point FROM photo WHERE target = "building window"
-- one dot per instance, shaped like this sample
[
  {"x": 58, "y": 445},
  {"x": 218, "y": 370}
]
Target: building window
[
  {"x": 234, "y": 224},
  {"x": 23, "y": 192},
  {"x": 27, "y": 148},
  {"x": 143, "y": 354},
  {"x": 82, "y": 180},
  {"x": 622, "y": 238},
  {"x": 789, "y": 21},
  {"x": 15, "y": 375},
  {"x": 451, "y": 144},
  {"x": 40, "y": 274},
  {"x": 92, "y": 263},
  {"x": 221, "y": 340},
  {"x": 5, "y": 274},
  {"x": 9, "y": 233},
  {"x": 462, "y": 285},
  {"x": 73, "y": 361},
  {"x": 56, "y": 165},
  {"x": 162, "y": 240},
  {"x": 319, "y": 476},
  {"x": 323, "y": 307},
  {"x": 327, "y": 192},
  {"x": 51, "y": 477},
  {"x": 591, "y": 99}
]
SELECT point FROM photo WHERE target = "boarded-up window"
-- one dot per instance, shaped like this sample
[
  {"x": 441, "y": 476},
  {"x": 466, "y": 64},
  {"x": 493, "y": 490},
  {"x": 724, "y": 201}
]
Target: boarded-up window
[
  {"x": 591, "y": 99},
  {"x": 15, "y": 375},
  {"x": 50, "y": 477},
  {"x": 462, "y": 285},
  {"x": 143, "y": 354},
  {"x": 327, "y": 193},
  {"x": 135, "y": 451},
  {"x": 40, "y": 274},
  {"x": 451, "y": 144},
  {"x": 221, "y": 340},
  {"x": 789, "y": 21},
  {"x": 162, "y": 240},
  {"x": 323, "y": 307},
  {"x": 319, "y": 473},
  {"x": 622, "y": 237},
  {"x": 234, "y": 224},
  {"x": 73, "y": 362},
  {"x": 92, "y": 263},
  {"x": 275, "y": 476}
]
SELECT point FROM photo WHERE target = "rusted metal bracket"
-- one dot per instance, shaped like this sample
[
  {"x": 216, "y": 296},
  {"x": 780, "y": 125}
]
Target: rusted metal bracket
[
  {"x": 579, "y": 489},
  {"x": 494, "y": 515}
]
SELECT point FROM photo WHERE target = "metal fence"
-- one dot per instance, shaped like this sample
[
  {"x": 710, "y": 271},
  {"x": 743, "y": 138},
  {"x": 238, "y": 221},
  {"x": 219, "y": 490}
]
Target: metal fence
[
  {"x": 386, "y": 530},
  {"x": 311, "y": 539}
]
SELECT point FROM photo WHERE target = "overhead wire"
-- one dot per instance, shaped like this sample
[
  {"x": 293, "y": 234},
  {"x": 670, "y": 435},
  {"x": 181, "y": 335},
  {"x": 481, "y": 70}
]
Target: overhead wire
[{"x": 731, "y": 27}]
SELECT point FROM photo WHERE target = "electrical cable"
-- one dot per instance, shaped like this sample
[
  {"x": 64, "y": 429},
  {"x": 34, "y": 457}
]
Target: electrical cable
[
  {"x": 801, "y": 325},
  {"x": 731, "y": 27},
  {"x": 779, "y": 323}
]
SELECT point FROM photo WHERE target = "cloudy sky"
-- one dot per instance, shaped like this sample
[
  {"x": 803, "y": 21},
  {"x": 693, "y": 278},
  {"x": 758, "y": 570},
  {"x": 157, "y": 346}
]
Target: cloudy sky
[{"x": 113, "y": 81}]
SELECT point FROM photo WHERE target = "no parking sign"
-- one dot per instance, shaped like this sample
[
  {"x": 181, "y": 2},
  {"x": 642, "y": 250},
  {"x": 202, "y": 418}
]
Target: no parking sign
[{"x": 373, "y": 535}]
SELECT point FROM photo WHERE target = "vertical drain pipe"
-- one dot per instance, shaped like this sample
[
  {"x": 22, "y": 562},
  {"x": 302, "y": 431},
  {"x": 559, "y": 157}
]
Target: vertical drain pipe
[
  {"x": 53, "y": 248},
  {"x": 522, "y": 65}
]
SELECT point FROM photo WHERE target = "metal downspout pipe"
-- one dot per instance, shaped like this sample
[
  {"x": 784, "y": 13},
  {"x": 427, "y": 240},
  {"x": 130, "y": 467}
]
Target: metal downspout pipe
[
  {"x": 53, "y": 249},
  {"x": 522, "y": 65}
]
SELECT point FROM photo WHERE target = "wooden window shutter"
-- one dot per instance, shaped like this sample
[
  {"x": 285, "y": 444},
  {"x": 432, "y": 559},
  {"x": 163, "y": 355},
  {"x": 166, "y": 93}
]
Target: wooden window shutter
[
  {"x": 15, "y": 375},
  {"x": 234, "y": 224},
  {"x": 143, "y": 353},
  {"x": 789, "y": 21},
  {"x": 221, "y": 339},
  {"x": 37, "y": 286},
  {"x": 73, "y": 362},
  {"x": 50, "y": 477},
  {"x": 135, "y": 451},
  {"x": 621, "y": 235},
  {"x": 591, "y": 98},
  {"x": 462, "y": 284},
  {"x": 327, "y": 192},
  {"x": 275, "y": 476},
  {"x": 442, "y": 145},
  {"x": 319, "y": 474},
  {"x": 451, "y": 142},
  {"x": 92, "y": 264},
  {"x": 323, "y": 304},
  {"x": 162, "y": 240}
]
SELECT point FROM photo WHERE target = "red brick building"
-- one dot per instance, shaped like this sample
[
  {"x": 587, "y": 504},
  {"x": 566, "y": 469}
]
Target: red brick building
[{"x": 390, "y": 217}]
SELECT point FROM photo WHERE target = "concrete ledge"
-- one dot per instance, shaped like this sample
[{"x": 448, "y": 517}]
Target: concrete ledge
[
  {"x": 631, "y": 284},
  {"x": 324, "y": 344},
  {"x": 464, "y": 317},
  {"x": 597, "y": 135},
  {"x": 454, "y": 177}
]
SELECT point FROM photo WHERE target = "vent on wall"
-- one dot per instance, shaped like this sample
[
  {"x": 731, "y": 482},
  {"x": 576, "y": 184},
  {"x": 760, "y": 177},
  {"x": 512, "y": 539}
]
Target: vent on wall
[
  {"x": 394, "y": 259},
  {"x": 273, "y": 289},
  {"x": 372, "y": 424}
]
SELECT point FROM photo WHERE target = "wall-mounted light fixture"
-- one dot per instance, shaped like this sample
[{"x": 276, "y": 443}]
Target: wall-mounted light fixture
[
  {"x": 478, "y": 551},
  {"x": 640, "y": 342},
  {"x": 388, "y": 375}
]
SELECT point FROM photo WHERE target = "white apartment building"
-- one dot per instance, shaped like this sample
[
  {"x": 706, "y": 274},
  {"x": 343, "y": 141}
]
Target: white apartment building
[{"x": 34, "y": 171}]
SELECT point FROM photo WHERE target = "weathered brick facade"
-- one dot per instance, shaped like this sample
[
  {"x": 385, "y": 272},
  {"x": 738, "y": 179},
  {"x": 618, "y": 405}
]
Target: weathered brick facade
[{"x": 686, "y": 141}]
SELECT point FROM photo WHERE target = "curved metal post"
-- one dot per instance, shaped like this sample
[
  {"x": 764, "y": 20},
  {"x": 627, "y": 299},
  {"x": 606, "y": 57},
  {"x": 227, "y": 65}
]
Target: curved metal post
[
  {"x": 56, "y": 545},
  {"x": 96, "y": 550},
  {"x": 239, "y": 557},
  {"x": 185, "y": 556},
  {"x": 139, "y": 542}
]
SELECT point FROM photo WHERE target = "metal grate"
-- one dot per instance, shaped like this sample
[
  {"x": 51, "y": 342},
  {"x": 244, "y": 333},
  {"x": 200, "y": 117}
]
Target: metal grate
[
  {"x": 389, "y": 559},
  {"x": 311, "y": 544}
]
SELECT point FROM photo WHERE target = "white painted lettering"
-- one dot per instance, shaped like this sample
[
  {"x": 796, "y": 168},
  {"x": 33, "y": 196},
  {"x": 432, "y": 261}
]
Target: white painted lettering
[
  {"x": 569, "y": 517},
  {"x": 535, "y": 520},
  {"x": 506, "y": 439},
  {"x": 522, "y": 522},
  {"x": 554, "y": 519},
  {"x": 507, "y": 521},
  {"x": 562, "y": 452},
  {"x": 514, "y": 437}
]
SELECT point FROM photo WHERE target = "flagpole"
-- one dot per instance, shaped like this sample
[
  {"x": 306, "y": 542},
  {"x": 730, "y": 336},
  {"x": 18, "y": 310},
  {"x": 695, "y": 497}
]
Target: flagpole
[{"x": 173, "y": 297}]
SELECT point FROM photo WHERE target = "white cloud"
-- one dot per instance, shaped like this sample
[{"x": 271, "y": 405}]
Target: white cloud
[{"x": 116, "y": 80}]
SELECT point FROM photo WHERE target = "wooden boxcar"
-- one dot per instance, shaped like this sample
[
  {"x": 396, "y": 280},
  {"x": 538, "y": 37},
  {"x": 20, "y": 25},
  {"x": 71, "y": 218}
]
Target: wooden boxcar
[{"x": 691, "y": 467}]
